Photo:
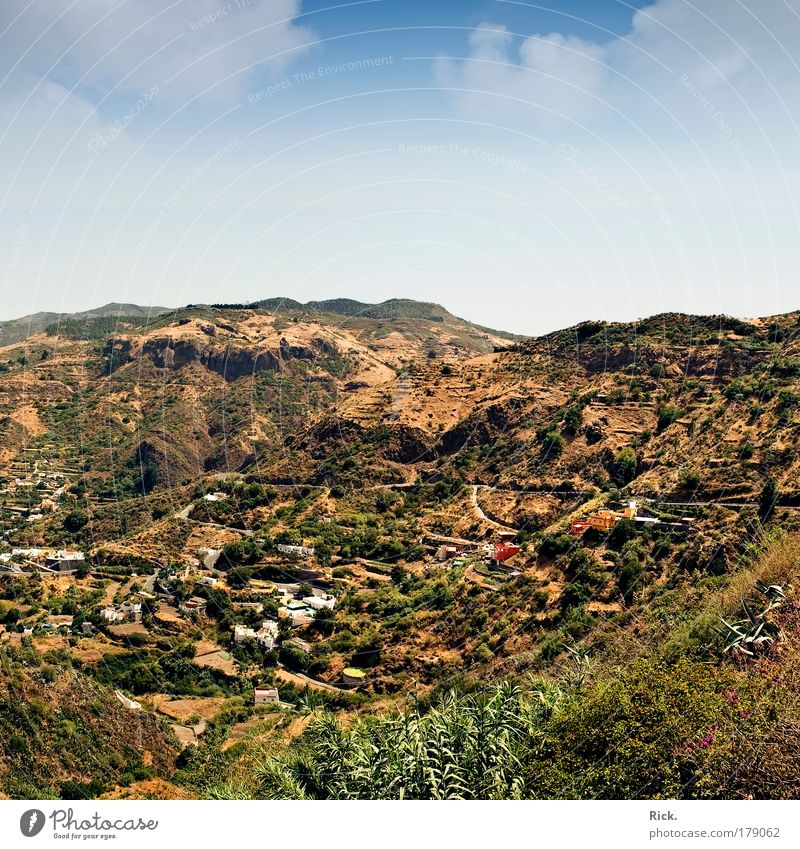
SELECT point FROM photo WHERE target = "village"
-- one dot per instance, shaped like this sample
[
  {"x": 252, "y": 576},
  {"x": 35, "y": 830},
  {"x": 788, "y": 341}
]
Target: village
[
  {"x": 251, "y": 634},
  {"x": 35, "y": 483}
]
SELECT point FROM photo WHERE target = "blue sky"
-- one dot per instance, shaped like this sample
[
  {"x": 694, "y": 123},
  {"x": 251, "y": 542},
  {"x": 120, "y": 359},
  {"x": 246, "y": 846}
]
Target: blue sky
[{"x": 528, "y": 165}]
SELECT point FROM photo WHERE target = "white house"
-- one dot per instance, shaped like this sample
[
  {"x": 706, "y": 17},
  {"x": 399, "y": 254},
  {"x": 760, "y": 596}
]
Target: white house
[
  {"x": 241, "y": 633},
  {"x": 207, "y": 581},
  {"x": 267, "y": 634},
  {"x": 32, "y": 553},
  {"x": 215, "y": 496},
  {"x": 133, "y": 609},
  {"x": 317, "y": 602},
  {"x": 296, "y": 550},
  {"x": 111, "y": 615},
  {"x": 298, "y": 615},
  {"x": 65, "y": 560},
  {"x": 265, "y": 696}
]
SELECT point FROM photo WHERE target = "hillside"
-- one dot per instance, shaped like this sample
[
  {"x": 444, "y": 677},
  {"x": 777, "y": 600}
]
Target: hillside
[
  {"x": 239, "y": 457},
  {"x": 19, "y": 329},
  {"x": 63, "y": 735}
]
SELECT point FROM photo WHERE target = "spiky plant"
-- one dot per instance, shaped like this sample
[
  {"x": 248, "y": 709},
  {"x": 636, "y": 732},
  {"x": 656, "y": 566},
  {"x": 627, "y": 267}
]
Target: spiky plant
[{"x": 755, "y": 632}]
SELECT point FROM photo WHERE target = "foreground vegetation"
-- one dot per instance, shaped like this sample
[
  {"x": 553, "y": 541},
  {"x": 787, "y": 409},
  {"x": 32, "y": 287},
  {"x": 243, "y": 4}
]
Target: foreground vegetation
[{"x": 683, "y": 721}]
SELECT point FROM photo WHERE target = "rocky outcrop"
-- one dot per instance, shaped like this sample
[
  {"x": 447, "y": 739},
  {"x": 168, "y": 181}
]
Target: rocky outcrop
[
  {"x": 407, "y": 445},
  {"x": 229, "y": 361},
  {"x": 117, "y": 352}
]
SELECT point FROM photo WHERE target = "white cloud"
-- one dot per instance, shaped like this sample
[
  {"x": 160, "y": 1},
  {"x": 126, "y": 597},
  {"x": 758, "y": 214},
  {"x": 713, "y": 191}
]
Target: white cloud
[
  {"x": 692, "y": 117},
  {"x": 184, "y": 48},
  {"x": 740, "y": 53},
  {"x": 558, "y": 75}
]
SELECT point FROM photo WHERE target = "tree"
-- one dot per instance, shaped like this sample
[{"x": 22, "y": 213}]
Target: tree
[
  {"x": 323, "y": 621},
  {"x": 690, "y": 480},
  {"x": 622, "y": 532},
  {"x": 625, "y": 465},
  {"x": 294, "y": 657},
  {"x": 573, "y": 419},
  {"x": 667, "y": 414},
  {"x": 244, "y": 550},
  {"x": 552, "y": 444},
  {"x": 238, "y": 578},
  {"x": 631, "y": 571},
  {"x": 769, "y": 498},
  {"x": 398, "y": 574},
  {"x": 74, "y": 521}
]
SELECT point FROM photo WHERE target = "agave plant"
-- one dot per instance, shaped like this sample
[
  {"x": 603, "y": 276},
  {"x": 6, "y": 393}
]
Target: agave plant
[
  {"x": 774, "y": 593},
  {"x": 579, "y": 668},
  {"x": 755, "y": 632}
]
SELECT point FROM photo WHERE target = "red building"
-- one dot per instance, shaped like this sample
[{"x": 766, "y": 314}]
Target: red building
[{"x": 505, "y": 546}]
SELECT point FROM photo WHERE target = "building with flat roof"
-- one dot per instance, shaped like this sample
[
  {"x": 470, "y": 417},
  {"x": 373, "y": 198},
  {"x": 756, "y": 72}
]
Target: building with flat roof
[{"x": 265, "y": 696}]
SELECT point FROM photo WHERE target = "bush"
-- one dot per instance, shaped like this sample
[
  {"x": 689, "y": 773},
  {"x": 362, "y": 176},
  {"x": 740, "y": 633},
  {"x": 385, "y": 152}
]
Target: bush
[
  {"x": 573, "y": 419},
  {"x": 74, "y": 521},
  {"x": 621, "y": 533},
  {"x": 625, "y": 465},
  {"x": 668, "y": 414},
  {"x": 575, "y": 594},
  {"x": 553, "y": 545},
  {"x": 631, "y": 571},
  {"x": 690, "y": 480},
  {"x": 552, "y": 444},
  {"x": 768, "y": 499}
]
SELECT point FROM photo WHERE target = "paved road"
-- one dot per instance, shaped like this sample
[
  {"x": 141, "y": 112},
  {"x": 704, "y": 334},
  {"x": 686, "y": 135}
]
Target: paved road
[
  {"x": 186, "y": 515},
  {"x": 481, "y": 515}
]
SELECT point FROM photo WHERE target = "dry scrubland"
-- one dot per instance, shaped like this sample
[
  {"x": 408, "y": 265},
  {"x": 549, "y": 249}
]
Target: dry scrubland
[{"x": 181, "y": 453}]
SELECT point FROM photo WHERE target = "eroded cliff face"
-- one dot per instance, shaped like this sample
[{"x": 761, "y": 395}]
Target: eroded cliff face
[{"x": 230, "y": 360}]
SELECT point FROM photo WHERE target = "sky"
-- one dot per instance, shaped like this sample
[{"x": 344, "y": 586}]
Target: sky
[{"x": 527, "y": 165}]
